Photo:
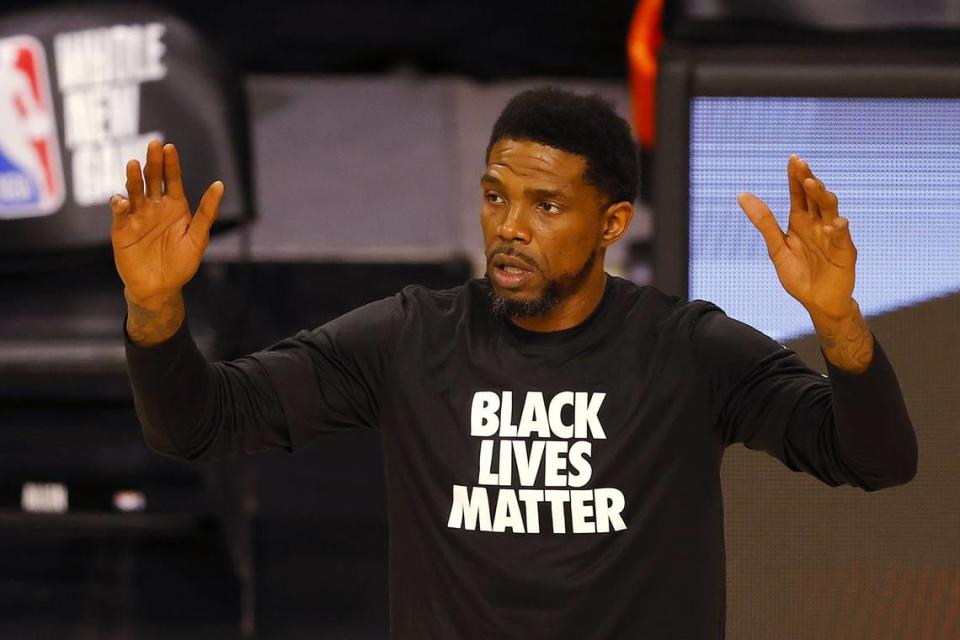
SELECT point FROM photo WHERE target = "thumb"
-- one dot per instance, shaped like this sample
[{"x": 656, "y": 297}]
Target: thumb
[
  {"x": 763, "y": 219},
  {"x": 203, "y": 219},
  {"x": 119, "y": 207}
]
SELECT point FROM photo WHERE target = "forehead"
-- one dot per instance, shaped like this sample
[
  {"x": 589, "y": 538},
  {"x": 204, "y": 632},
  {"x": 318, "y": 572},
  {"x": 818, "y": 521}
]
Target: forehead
[{"x": 528, "y": 160}]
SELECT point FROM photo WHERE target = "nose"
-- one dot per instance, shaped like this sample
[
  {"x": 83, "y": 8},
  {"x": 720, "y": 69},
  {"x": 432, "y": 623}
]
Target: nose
[{"x": 514, "y": 225}]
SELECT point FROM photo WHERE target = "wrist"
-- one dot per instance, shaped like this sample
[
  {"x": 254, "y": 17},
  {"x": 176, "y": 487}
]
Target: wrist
[
  {"x": 845, "y": 339},
  {"x": 155, "y": 302},
  {"x": 837, "y": 317},
  {"x": 154, "y": 319}
]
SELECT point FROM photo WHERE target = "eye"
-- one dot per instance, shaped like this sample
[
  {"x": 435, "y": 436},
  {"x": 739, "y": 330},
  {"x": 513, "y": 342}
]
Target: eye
[
  {"x": 550, "y": 207},
  {"x": 492, "y": 197}
]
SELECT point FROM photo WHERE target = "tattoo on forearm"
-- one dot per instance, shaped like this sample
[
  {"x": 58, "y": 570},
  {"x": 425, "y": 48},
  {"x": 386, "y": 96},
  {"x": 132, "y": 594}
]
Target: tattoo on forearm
[
  {"x": 848, "y": 345},
  {"x": 147, "y": 326}
]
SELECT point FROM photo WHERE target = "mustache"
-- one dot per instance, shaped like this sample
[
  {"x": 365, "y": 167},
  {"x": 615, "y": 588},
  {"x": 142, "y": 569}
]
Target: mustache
[{"x": 510, "y": 251}]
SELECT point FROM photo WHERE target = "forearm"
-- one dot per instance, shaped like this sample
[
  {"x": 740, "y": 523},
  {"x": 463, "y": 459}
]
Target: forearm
[
  {"x": 152, "y": 321},
  {"x": 170, "y": 381},
  {"x": 876, "y": 437},
  {"x": 194, "y": 410},
  {"x": 846, "y": 341}
]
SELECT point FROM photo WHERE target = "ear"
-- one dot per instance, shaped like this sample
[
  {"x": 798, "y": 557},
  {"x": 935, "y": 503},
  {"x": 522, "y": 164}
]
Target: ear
[{"x": 616, "y": 219}]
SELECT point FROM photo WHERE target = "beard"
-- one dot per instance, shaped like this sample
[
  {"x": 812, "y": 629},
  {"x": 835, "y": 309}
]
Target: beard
[{"x": 553, "y": 293}]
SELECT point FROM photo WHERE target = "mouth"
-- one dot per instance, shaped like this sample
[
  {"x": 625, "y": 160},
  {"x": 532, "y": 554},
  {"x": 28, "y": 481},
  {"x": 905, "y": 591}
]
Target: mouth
[{"x": 509, "y": 272}]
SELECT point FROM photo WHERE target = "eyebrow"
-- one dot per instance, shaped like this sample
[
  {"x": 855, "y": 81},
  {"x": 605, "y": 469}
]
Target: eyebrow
[{"x": 543, "y": 194}]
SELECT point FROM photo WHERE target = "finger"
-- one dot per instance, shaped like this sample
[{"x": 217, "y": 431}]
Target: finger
[
  {"x": 199, "y": 229},
  {"x": 120, "y": 208},
  {"x": 827, "y": 201},
  {"x": 810, "y": 187},
  {"x": 839, "y": 233},
  {"x": 798, "y": 199},
  {"x": 764, "y": 220},
  {"x": 172, "y": 179},
  {"x": 153, "y": 172},
  {"x": 134, "y": 184}
]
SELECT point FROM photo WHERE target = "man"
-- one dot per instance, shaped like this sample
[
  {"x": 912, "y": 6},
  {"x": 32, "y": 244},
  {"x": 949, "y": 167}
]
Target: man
[{"x": 552, "y": 434}]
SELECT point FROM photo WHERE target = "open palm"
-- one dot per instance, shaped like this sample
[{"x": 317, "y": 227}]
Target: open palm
[
  {"x": 815, "y": 259},
  {"x": 157, "y": 244}
]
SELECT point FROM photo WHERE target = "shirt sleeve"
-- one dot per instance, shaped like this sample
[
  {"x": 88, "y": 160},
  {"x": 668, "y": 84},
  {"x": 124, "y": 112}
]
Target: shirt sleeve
[
  {"x": 284, "y": 396},
  {"x": 842, "y": 428}
]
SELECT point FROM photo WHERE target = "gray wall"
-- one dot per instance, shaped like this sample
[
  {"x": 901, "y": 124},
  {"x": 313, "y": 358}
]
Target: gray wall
[{"x": 378, "y": 168}]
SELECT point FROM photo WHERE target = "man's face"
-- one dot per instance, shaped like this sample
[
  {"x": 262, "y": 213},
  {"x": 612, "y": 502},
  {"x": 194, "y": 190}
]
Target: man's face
[{"x": 542, "y": 226}]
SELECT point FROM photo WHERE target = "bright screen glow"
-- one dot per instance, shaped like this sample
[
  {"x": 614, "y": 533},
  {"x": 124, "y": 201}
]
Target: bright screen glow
[{"x": 893, "y": 163}]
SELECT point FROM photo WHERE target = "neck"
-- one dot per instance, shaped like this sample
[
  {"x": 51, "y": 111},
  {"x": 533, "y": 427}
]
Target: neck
[{"x": 573, "y": 309}]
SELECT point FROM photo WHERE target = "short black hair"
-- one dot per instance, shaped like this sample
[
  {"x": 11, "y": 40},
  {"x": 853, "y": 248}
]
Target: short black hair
[{"x": 586, "y": 125}]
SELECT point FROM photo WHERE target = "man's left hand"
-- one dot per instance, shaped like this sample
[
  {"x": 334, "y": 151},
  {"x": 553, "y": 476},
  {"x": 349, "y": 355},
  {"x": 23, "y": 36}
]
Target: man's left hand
[{"x": 815, "y": 259}]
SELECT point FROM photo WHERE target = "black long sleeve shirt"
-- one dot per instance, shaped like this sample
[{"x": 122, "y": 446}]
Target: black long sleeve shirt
[{"x": 540, "y": 484}]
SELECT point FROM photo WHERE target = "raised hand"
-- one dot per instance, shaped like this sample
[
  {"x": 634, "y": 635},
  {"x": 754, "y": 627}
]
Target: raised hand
[
  {"x": 157, "y": 244},
  {"x": 815, "y": 259}
]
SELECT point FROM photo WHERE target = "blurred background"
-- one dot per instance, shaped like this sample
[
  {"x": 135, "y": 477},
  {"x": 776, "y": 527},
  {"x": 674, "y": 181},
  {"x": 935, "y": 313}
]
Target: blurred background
[{"x": 350, "y": 137}]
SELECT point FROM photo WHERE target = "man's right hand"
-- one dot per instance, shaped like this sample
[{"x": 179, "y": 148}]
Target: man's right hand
[{"x": 157, "y": 244}]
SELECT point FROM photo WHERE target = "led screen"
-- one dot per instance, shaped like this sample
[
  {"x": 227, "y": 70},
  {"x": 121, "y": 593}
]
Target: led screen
[{"x": 893, "y": 163}]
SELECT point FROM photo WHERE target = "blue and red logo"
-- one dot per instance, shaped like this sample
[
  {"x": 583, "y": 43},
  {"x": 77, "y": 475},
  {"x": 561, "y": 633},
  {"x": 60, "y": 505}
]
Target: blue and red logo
[{"x": 31, "y": 175}]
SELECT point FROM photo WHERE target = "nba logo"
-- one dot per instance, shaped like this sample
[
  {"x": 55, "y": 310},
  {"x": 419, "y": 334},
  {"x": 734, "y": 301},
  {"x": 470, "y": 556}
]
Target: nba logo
[{"x": 31, "y": 177}]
